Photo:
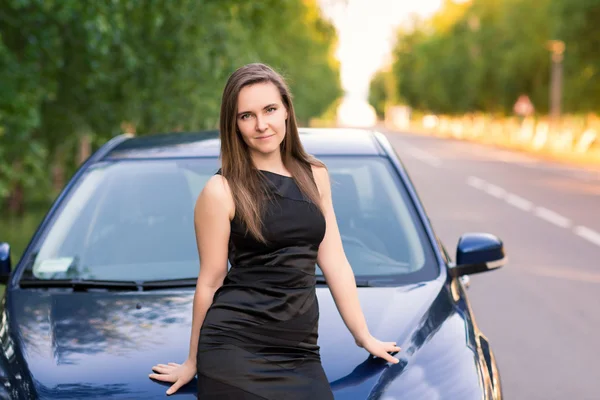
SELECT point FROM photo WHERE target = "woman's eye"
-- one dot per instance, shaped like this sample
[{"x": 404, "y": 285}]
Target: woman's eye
[
  {"x": 271, "y": 109},
  {"x": 245, "y": 116}
]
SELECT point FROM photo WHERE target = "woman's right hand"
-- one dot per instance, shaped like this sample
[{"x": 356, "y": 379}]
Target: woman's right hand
[{"x": 178, "y": 374}]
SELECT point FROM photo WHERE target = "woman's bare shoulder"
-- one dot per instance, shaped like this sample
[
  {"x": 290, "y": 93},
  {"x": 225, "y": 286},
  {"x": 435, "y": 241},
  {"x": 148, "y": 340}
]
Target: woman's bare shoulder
[
  {"x": 217, "y": 186},
  {"x": 216, "y": 194},
  {"x": 320, "y": 170},
  {"x": 321, "y": 175}
]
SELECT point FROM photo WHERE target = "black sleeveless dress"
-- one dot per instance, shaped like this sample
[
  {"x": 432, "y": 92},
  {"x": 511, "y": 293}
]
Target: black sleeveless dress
[{"x": 259, "y": 337}]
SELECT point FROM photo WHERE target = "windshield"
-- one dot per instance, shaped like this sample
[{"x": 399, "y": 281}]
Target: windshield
[{"x": 132, "y": 220}]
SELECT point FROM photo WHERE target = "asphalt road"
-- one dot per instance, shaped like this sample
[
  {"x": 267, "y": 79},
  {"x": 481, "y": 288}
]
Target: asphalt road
[{"x": 541, "y": 311}]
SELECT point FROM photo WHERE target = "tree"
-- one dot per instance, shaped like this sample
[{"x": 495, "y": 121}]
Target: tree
[
  {"x": 482, "y": 55},
  {"x": 576, "y": 27},
  {"x": 73, "y": 72}
]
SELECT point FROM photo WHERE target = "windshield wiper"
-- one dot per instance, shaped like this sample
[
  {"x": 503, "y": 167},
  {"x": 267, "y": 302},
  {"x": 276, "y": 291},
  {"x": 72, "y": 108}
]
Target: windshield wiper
[
  {"x": 80, "y": 285},
  {"x": 169, "y": 283},
  {"x": 85, "y": 284},
  {"x": 361, "y": 282}
]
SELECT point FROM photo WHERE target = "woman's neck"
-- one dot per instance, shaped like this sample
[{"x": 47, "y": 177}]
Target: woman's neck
[{"x": 272, "y": 163}]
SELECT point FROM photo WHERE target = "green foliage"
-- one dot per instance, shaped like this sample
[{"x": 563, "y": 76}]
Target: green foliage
[
  {"x": 577, "y": 28},
  {"x": 481, "y": 55},
  {"x": 70, "y": 68},
  {"x": 18, "y": 231},
  {"x": 378, "y": 94}
]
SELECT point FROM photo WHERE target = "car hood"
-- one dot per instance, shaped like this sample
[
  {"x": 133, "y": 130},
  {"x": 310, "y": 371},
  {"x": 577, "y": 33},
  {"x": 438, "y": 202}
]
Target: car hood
[{"x": 102, "y": 345}]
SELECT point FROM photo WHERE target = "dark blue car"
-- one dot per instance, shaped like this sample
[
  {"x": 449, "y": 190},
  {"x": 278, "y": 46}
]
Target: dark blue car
[{"x": 104, "y": 289}]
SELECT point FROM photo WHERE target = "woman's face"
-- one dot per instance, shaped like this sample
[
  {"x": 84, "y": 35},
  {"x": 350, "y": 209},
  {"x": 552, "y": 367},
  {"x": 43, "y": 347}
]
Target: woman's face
[{"x": 261, "y": 117}]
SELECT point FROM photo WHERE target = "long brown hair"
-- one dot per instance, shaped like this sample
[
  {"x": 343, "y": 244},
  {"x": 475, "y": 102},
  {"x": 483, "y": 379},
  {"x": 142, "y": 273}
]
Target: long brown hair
[{"x": 243, "y": 177}]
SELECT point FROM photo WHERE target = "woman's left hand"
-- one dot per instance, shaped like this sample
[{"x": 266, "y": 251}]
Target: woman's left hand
[{"x": 380, "y": 349}]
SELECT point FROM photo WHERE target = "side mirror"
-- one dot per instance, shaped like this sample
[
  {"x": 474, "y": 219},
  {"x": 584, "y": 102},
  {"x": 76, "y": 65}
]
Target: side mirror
[
  {"x": 478, "y": 252},
  {"x": 5, "y": 266}
]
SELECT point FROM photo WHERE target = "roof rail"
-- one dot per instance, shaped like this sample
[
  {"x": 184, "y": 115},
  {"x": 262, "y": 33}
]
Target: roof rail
[{"x": 109, "y": 146}]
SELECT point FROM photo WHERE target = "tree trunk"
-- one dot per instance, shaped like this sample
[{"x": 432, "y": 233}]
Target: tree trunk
[
  {"x": 58, "y": 170},
  {"x": 16, "y": 198},
  {"x": 85, "y": 147}
]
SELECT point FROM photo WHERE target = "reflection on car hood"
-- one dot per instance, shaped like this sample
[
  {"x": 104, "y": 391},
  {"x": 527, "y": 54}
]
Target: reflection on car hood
[
  {"x": 436, "y": 360},
  {"x": 102, "y": 345}
]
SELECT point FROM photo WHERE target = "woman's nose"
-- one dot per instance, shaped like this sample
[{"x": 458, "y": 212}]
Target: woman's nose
[{"x": 261, "y": 124}]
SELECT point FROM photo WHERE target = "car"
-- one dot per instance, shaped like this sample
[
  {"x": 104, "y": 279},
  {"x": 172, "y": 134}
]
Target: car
[{"x": 104, "y": 289}]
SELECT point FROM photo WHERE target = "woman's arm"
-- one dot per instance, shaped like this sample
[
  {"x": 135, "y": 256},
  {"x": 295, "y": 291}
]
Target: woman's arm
[
  {"x": 340, "y": 278},
  {"x": 212, "y": 215}
]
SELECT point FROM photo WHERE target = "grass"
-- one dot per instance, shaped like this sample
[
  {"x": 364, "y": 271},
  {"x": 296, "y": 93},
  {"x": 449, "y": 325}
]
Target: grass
[{"x": 17, "y": 232}]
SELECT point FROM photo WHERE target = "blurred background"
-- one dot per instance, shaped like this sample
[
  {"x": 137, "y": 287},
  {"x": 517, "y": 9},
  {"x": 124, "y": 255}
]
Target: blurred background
[
  {"x": 75, "y": 73},
  {"x": 492, "y": 105}
]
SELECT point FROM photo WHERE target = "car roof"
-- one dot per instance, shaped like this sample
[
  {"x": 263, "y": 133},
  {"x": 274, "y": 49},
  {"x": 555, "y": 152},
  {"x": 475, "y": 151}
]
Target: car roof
[{"x": 316, "y": 141}]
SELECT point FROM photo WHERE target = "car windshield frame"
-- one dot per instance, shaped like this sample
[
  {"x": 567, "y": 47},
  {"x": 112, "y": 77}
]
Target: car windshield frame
[{"x": 430, "y": 269}]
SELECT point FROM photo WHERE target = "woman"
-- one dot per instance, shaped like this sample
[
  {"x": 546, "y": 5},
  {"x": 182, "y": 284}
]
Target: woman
[{"x": 269, "y": 211}]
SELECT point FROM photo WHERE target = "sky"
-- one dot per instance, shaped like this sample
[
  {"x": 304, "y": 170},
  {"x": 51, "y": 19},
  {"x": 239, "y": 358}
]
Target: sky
[{"x": 366, "y": 35}]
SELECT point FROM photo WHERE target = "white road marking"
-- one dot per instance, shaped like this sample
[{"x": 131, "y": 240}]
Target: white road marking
[
  {"x": 588, "y": 234},
  {"x": 495, "y": 191},
  {"x": 513, "y": 157},
  {"x": 422, "y": 156},
  {"x": 563, "y": 273},
  {"x": 541, "y": 212},
  {"x": 475, "y": 182},
  {"x": 519, "y": 202},
  {"x": 552, "y": 217}
]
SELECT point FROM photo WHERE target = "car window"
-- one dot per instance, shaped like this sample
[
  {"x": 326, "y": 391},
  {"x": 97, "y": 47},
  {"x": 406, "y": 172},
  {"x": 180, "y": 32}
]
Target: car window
[
  {"x": 380, "y": 230},
  {"x": 133, "y": 220},
  {"x": 128, "y": 220}
]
